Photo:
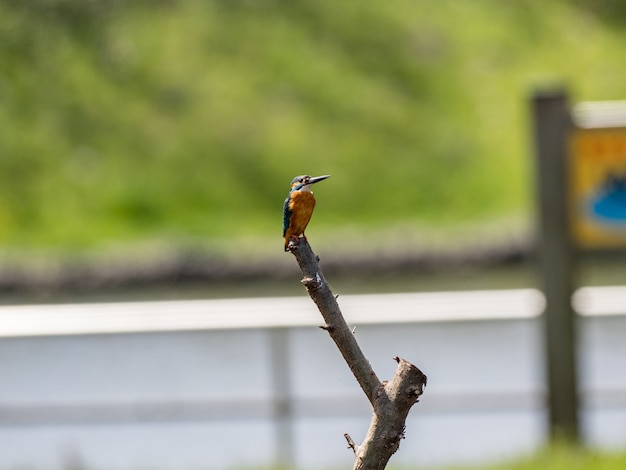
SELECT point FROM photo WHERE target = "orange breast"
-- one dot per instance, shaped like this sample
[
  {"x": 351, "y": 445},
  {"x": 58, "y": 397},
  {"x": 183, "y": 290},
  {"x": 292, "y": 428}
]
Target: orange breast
[{"x": 301, "y": 205}]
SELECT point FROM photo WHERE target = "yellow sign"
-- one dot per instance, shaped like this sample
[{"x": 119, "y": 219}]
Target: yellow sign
[{"x": 597, "y": 165}]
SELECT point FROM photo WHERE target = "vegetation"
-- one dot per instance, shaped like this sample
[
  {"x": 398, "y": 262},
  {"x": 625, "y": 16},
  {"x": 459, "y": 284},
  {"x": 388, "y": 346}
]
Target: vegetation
[
  {"x": 183, "y": 121},
  {"x": 562, "y": 457},
  {"x": 559, "y": 457}
]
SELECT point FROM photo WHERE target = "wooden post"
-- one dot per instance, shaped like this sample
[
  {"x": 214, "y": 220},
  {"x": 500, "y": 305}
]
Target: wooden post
[
  {"x": 552, "y": 125},
  {"x": 282, "y": 397}
]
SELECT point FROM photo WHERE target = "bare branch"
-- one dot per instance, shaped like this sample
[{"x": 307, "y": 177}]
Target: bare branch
[
  {"x": 391, "y": 401},
  {"x": 351, "y": 444},
  {"x": 336, "y": 326}
]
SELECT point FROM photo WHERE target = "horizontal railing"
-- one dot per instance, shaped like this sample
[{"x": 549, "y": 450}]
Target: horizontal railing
[{"x": 153, "y": 316}]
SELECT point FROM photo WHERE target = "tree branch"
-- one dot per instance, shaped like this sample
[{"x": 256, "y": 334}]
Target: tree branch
[{"x": 391, "y": 401}]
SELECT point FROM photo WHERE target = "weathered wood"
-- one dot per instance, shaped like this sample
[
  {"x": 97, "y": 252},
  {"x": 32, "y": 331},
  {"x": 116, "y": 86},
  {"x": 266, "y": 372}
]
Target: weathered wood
[
  {"x": 552, "y": 125},
  {"x": 391, "y": 401}
]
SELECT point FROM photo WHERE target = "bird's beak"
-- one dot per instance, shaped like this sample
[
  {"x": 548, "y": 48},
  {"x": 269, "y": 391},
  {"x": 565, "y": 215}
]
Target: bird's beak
[{"x": 317, "y": 179}]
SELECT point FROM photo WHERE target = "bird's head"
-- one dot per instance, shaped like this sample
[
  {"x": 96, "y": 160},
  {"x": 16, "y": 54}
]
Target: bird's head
[{"x": 304, "y": 182}]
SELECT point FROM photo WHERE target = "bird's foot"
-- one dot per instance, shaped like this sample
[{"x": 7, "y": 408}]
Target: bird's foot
[
  {"x": 294, "y": 241},
  {"x": 291, "y": 244}
]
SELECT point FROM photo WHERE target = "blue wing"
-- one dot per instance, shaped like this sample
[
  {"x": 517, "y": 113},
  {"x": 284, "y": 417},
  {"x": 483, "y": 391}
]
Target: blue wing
[{"x": 286, "y": 215}]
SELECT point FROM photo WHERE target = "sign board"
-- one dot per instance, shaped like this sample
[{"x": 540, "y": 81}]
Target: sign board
[{"x": 597, "y": 183}]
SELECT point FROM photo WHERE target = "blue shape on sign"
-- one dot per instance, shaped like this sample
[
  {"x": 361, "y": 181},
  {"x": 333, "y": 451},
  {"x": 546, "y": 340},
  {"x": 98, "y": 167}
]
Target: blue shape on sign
[{"x": 610, "y": 204}]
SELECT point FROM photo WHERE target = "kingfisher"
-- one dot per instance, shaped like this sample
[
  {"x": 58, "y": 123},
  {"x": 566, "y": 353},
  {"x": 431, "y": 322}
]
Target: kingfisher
[{"x": 298, "y": 207}]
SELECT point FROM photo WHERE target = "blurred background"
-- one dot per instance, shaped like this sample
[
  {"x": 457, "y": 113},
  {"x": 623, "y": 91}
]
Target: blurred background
[
  {"x": 146, "y": 149},
  {"x": 166, "y": 132}
]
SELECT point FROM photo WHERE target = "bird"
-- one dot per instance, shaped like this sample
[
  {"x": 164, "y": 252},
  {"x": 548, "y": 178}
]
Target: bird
[{"x": 298, "y": 207}]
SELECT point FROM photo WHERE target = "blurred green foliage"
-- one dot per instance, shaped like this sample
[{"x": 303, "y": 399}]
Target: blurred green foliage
[
  {"x": 563, "y": 457},
  {"x": 553, "y": 457},
  {"x": 180, "y": 120}
]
